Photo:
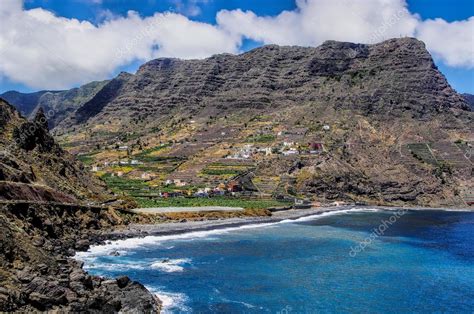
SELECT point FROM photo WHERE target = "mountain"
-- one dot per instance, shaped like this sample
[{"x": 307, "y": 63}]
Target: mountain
[
  {"x": 24, "y": 102},
  {"x": 57, "y": 104},
  {"x": 47, "y": 212},
  {"x": 399, "y": 73},
  {"x": 342, "y": 121},
  {"x": 469, "y": 99}
]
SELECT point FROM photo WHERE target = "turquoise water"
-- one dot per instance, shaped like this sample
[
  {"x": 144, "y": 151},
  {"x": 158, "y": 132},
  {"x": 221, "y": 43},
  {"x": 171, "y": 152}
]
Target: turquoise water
[{"x": 422, "y": 262}]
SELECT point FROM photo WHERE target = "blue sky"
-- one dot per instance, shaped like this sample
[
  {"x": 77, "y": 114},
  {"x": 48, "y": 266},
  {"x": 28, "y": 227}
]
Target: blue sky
[{"x": 461, "y": 76}]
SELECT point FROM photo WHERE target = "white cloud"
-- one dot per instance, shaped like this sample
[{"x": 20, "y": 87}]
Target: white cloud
[
  {"x": 368, "y": 21},
  {"x": 451, "y": 42},
  {"x": 315, "y": 21},
  {"x": 42, "y": 50}
]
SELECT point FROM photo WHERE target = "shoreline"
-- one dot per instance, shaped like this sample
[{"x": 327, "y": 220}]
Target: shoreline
[
  {"x": 114, "y": 241},
  {"x": 188, "y": 226}
]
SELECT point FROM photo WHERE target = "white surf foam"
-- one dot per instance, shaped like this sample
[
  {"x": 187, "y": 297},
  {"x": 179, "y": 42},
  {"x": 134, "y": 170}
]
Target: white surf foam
[
  {"x": 172, "y": 302},
  {"x": 170, "y": 266},
  {"x": 132, "y": 243}
]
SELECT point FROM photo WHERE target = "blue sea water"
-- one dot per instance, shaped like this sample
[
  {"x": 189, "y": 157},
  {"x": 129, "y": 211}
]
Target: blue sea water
[{"x": 420, "y": 261}]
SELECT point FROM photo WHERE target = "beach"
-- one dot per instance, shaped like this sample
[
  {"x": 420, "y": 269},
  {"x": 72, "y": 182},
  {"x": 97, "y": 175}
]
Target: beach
[
  {"x": 297, "y": 259},
  {"x": 141, "y": 230}
]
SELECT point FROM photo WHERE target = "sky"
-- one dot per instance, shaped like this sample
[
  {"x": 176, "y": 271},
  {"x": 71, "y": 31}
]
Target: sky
[{"x": 60, "y": 44}]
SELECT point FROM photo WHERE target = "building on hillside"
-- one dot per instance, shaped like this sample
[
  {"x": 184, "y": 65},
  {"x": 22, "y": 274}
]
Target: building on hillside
[
  {"x": 219, "y": 191},
  {"x": 179, "y": 182},
  {"x": 147, "y": 176},
  {"x": 291, "y": 151},
  {"x": 95, "y": 168},
  {"x": 316, "y": 147},
  {"x": 123, "y": 148},
  {"x": 135, "y": 162},
  {"x": 244, "y": 152},
  {"x": 234, "y": 186}
]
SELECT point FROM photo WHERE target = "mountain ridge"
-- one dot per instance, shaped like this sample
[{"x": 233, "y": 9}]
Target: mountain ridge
[{"x": 384, "y": 106}]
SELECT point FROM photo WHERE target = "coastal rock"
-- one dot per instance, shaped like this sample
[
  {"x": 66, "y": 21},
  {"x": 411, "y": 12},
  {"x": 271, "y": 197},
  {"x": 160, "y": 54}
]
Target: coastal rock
[{"x": 123, "y": 281}]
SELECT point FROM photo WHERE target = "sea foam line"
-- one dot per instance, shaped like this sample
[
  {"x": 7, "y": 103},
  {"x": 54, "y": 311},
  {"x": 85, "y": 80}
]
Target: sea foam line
[{"x": 132, "y": 243}]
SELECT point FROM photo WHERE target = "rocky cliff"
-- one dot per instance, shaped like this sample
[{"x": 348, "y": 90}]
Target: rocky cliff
[
  {"x": 34, "y": 167},
  {"x": 393, "y": 129},
  {"x": 44, "y": 219},
  {"x": 398, "y": 74},
  {"x": 470, "y": 100}
]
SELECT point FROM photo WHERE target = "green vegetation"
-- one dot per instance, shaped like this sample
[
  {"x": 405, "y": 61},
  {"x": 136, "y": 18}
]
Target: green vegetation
[
  {"x": 421, "y": 151},
  {"x": 262, "y": 138},
  {"x": 122, "y": 185},
  {"x": 86, "y": 159},
  {"x": 145, "y": 153},
  {"x": 213, "y": 201}
]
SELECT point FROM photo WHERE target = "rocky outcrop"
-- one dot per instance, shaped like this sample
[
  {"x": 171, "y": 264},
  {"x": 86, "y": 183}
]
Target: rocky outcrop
[
  {"x": 38, "y": 274},
  {"x": 30, "y": 156},
  {"x": 43, "y": 221}
]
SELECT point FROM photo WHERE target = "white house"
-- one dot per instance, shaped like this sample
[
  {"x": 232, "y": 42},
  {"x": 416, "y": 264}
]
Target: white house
[{"x": 292, "y": 151}]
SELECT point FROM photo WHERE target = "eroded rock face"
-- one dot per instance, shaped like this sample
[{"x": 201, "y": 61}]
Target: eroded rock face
[
  {"x": 39, "y": 275},
  {"x": 399, "y": 72},
  {"x": 34, "y": 167},
  {"x": 35, "y": 134}
]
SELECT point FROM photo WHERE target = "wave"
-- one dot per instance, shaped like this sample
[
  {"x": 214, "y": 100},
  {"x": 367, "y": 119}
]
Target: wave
[
  {"x": 172, "y": 302},
  {"x": 331, "y": 213},
  {"x": 170, "y": 266}
]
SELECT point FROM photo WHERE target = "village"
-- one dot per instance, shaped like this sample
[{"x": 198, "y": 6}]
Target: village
[
  {"x": 217, "y": 164},
  {"x": 211, "y": 164}
]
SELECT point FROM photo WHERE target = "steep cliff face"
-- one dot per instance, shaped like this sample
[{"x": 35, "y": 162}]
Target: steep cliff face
[
  {"x": 34, "y": 167},
  {"x": 397, "y": 73},
  {"x": 37, "y": 273},
  {"x": 38, "y": 235}
]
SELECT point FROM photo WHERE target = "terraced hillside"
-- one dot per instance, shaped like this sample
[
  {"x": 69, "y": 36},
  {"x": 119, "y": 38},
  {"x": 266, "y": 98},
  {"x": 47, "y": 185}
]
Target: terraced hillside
[{"x": 371, "y": 123}]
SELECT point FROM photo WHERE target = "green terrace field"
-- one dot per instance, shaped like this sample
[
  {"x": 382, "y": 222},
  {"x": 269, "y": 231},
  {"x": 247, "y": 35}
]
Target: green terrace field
[
  {"x": 126, "y": 186},
  {"x": 263, "y": 138},
  {"x": 145, "y": 154},
  {"x": 212, "y": 201}
]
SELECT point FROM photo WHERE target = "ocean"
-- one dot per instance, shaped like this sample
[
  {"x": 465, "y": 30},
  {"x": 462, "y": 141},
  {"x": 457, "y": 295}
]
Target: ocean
[{"x": 352, "y": 261}]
